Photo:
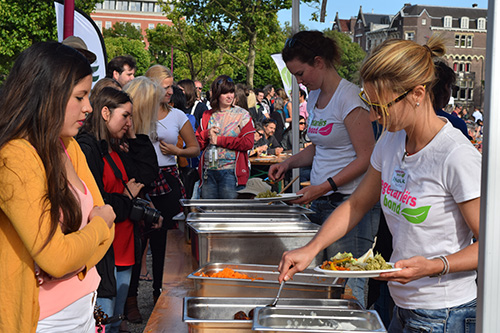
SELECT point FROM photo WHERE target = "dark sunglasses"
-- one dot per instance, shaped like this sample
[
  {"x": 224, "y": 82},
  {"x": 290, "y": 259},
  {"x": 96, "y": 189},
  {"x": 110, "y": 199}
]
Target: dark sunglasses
[
  {"x": 222, "y": 80},
  {"x": 381, "y": 109},
  {"x": 290, "y": 43},
  {"x": 260, "y": 134},
  {"x": 301, "y": 123}
]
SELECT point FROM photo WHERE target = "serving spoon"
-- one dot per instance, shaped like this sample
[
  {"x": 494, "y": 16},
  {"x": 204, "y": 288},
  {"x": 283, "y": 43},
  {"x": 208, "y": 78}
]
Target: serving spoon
[{"x": 273, "y": 304}]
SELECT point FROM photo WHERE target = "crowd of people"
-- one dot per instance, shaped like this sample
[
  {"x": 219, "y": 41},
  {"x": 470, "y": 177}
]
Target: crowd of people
[{"x": 92, "y": 177}]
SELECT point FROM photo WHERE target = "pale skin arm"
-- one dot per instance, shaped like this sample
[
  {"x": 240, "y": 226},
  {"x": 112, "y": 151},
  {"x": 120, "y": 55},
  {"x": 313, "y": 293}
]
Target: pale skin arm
[
  {"x": 465, "y": 260},
  {"x": 192, "y": 149},
  {"x": 361, "y": 134},
  {"x": 339, "y": 223}
]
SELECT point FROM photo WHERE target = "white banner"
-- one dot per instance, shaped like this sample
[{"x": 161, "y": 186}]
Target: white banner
[
  {"x": 85, "y": 28},
  {"x": 286, "y": 76}
]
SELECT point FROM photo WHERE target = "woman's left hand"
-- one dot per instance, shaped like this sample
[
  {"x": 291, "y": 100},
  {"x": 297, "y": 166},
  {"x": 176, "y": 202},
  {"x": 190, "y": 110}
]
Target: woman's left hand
[
  {"x": 413, "y": 269},
  {"x": 168, "y": 149},
  {"x": 212, "y": 134}
]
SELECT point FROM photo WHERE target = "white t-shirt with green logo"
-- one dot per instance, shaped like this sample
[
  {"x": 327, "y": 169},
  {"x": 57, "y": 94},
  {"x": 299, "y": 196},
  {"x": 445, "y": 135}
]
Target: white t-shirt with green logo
[
  {"x": 334, "y": 149},
  {"x": 424, "y": 219}
]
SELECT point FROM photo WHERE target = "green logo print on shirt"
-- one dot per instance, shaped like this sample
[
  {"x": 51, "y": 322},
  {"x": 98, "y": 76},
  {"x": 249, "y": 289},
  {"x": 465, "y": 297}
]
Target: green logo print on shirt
[{"x": 416, "y": 215}]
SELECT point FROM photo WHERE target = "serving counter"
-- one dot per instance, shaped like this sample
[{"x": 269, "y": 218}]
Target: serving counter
[{"x": 179, "y": 264}]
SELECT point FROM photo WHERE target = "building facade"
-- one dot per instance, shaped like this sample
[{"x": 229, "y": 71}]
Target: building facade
[
  {"x": 143, "y": 14},
  {"x": 464, "y": 32}
]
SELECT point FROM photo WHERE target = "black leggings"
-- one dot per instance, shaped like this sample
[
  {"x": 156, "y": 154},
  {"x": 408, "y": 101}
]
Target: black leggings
[{"x": 169, "y": 206}]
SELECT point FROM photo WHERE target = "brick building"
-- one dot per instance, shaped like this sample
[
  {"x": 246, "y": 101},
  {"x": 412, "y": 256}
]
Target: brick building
[
  {"x": 143, "y": 14},
  {"x": 464, "y": 32}
]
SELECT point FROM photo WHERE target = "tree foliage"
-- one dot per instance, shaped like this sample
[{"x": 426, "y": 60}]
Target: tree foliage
[
  {"x": 24, "y": 22},
  {"x": 123, "y": 29},
  {"x": 352, "y": 56},
  {"x": 116, "y": 46},
  {"x": 230, "y": 25}
]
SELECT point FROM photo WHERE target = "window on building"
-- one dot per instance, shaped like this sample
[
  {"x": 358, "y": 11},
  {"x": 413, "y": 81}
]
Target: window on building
[
  {"x": 424, "y": 21},
  {"x": 110, "y": 4},
  {"x": 481, "y": 23},
  {"x": 108, "y": 25},
  {"x": 99, "y": 25},
  {"x": 98, "y": 6},
  {"x": 464, "y": 90},
  {"x": 410, "y": 35},
  {"x": 148, "y": 6},
  {"x": 122, "y": 5},
  {"x": 468, "y": 41},
  {"x": 464, "y": 22},
  {"x": 151, "y": 26},
  {"x": 157, "y": 8},
  {"x": 137, "y": 26},
  {"x": 448, "y": 20},
  {"x": 135, "y": 6}
]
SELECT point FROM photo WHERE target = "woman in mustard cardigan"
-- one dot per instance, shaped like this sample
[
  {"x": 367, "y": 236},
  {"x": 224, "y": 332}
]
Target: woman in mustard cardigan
[{"x": 54, "y": 226}]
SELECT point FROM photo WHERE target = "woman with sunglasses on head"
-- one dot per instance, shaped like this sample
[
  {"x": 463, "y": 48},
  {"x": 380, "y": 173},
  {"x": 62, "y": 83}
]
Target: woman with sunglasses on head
[
  {"x": 225, "y": 135},
  {"x": 342, "y": 141},
  {"x": 54, "y": 226},
  {"x": 423, "y": 172}
]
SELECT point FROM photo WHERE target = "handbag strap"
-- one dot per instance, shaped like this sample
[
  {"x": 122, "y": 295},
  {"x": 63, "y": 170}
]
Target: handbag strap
[{"x": 117, "y": 172}]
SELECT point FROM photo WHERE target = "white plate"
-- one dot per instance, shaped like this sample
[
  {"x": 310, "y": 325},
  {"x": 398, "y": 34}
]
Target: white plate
[
  {"x": 356, "y": 274},
  {"x": 282, "y": 197}
]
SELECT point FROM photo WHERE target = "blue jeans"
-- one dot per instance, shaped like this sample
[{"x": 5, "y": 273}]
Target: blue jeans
[
  {"x": 115, "y": 306},
  {"x": 220, "y": 184},
  {"x": 459, "y": 319},
  {"x": 357, "y": 241}
]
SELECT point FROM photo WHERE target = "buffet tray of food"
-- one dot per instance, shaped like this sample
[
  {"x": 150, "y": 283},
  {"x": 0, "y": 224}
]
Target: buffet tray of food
[
  {"x": 249, "y": 242},
  {"x": 246, "y": 217},
  {"x": 234, "y": 314},
  {"x": 275, "y": 207},
  {"x": 226, "y": 202},
  {"x": 318, "y": 320},
  {"x": 247, "y": 280}
]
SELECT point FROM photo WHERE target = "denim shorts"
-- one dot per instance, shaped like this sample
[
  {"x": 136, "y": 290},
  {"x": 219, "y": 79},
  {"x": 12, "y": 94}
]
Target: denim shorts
[{"x": 458, "y": 319}]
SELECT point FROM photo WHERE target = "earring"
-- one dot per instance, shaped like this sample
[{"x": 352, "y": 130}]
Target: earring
[{"x": 418, "y": 104}]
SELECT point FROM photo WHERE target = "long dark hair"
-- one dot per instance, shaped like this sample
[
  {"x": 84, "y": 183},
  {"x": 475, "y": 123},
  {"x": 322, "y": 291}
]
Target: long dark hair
[
  {"x": 223, "y": 84},
  {"x": 33, "y": 106}
]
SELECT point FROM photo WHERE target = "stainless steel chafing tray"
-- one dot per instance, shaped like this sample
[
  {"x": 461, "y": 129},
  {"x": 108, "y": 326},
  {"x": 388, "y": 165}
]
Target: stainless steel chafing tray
[
  {"x": 306, "y": 284},
  {"x": 249, "y": 242},
  {"x": 246, "y": 217},
  {"x": 321, "y": 320},
  {"x": 216, "y": 314},
  {"x": 226, "y": 202},
  {"x": 291, "y": 209}
]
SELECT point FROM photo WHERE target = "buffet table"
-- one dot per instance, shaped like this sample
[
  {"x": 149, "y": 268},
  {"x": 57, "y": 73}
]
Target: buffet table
[{"x": 179, "y": 263}]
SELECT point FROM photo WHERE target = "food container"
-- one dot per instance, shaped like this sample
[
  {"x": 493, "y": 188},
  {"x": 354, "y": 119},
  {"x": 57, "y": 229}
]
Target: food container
[
  {"x": 225, "y": 202},
  {"x": 306, "y": 284},
  {"x": 246, "y": 217},
  {"x": 249, "y": 242},
  {"x": 216, "y": 314},
  {"x": 287, "y": 319},
  {"x": 268, "y": 208}
]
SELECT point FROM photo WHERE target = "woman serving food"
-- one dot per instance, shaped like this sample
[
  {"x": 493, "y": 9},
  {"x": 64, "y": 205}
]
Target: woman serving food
[{"x": 422, "y": 171}]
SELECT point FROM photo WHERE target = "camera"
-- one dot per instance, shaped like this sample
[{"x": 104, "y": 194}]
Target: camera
[{"x": 141, "y": 211}]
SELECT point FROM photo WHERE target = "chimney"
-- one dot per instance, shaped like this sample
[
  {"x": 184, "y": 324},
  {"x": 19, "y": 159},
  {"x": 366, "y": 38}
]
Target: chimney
[
  {"x": 474, "y": 5},
  {"x": 407, "y": 4}
]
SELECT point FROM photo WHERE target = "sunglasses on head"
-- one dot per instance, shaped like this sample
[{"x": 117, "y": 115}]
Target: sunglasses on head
[
  {"x": 224, "y": 79},
  {"x": 381, "y": 109},
  {"x": 290, "y": 43}
]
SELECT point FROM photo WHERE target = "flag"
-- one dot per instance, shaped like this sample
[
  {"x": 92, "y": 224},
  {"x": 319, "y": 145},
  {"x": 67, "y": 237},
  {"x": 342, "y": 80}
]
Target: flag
[{"x": 286, "y": 76}]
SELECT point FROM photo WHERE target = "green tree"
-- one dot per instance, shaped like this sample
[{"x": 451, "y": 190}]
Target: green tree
[
  {"x": 24, "y": 22},
  {"x": 229, "y": 24},
  {"x": 123, "y": 29},
  {"x": 116, "y": 46},
  {"x": 352, "y": 55}
]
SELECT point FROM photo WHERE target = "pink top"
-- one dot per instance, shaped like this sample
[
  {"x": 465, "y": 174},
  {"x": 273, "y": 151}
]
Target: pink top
[{"x": 56, "y": 295}]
